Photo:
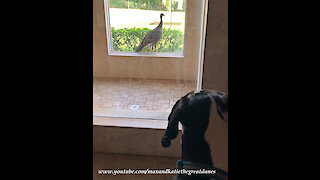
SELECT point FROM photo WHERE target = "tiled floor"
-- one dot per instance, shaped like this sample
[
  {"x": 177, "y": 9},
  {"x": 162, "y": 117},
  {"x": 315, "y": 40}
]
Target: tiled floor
[{"x": 114, "y": 96}]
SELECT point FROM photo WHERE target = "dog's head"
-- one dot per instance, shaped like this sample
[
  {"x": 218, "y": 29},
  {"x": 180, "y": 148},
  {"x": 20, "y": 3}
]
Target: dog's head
[{"x": 193, "y": 111}]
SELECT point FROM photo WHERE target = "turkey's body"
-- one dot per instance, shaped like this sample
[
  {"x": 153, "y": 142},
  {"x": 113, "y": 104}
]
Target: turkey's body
[{"x": 152, "y": 38}]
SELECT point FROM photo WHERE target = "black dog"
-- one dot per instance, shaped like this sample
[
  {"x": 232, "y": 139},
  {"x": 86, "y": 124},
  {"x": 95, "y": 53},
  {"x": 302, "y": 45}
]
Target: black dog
[{"x": 193, "y": 112}]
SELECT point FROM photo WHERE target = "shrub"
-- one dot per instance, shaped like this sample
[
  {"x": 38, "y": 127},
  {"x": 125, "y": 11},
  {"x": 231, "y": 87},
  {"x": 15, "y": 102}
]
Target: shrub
[
  {"x": 139, "y": 4},
  {"x": 128, "y": 39}
]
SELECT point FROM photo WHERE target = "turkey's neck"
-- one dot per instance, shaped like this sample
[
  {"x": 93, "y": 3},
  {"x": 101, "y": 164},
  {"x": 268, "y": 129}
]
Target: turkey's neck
[{"x": 160, "y": 24}]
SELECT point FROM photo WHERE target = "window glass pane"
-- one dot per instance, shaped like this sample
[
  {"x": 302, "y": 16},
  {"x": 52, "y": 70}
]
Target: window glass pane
[{"x": 132, "y": 20}]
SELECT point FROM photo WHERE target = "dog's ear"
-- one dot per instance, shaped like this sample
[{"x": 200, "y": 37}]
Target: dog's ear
[
  {"x": 222, "y": 103},
  {"x": 176, "y": 114}
]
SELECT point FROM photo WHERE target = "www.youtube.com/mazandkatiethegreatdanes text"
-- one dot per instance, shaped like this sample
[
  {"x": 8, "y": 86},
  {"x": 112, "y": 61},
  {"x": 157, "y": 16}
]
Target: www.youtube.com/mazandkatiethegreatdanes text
[{"x": 155, "y": 171}]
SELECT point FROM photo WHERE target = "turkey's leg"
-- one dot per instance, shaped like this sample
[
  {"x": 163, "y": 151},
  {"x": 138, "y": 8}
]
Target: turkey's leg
[{"x": 155, "y": 46}]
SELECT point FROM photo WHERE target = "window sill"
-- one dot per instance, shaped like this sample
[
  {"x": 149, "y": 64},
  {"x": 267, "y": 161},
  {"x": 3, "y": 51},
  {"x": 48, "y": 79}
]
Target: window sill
[
  {"x": 148, "y": 54},
  {"x": 130, "y": 122}
]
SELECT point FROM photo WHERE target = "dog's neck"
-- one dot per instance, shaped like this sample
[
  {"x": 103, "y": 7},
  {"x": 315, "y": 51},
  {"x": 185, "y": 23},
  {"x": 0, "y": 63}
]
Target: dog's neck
[
  {"x": 195, "y": 148},
  {"x": 201, "y": 147}
]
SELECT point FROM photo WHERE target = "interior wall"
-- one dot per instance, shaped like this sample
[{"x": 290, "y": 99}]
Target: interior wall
[
  {"x": 147, "y": 67},
  {"x": 215, "y": 76},
  {"x": 215, "y": 72},
  {"x": 135, "y": 141}
]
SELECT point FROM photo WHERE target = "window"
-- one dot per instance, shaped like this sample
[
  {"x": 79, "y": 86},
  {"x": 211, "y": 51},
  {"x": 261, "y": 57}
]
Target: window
[
  {"x": 145, "y": 85},
  {"x": 129, "y": 21}
]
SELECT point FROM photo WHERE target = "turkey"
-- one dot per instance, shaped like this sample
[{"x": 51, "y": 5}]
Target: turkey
[{"x": 152, "y": 37}]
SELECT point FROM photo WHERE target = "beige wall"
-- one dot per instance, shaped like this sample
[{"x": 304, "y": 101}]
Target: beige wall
[
  {"x": 217, "y": 137},
  {"x": 146, "y": 67},
  {"x": 136, "y": 141},
  {"x": 215, "y": 76},
  {"x": 215, "y": 72}
]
